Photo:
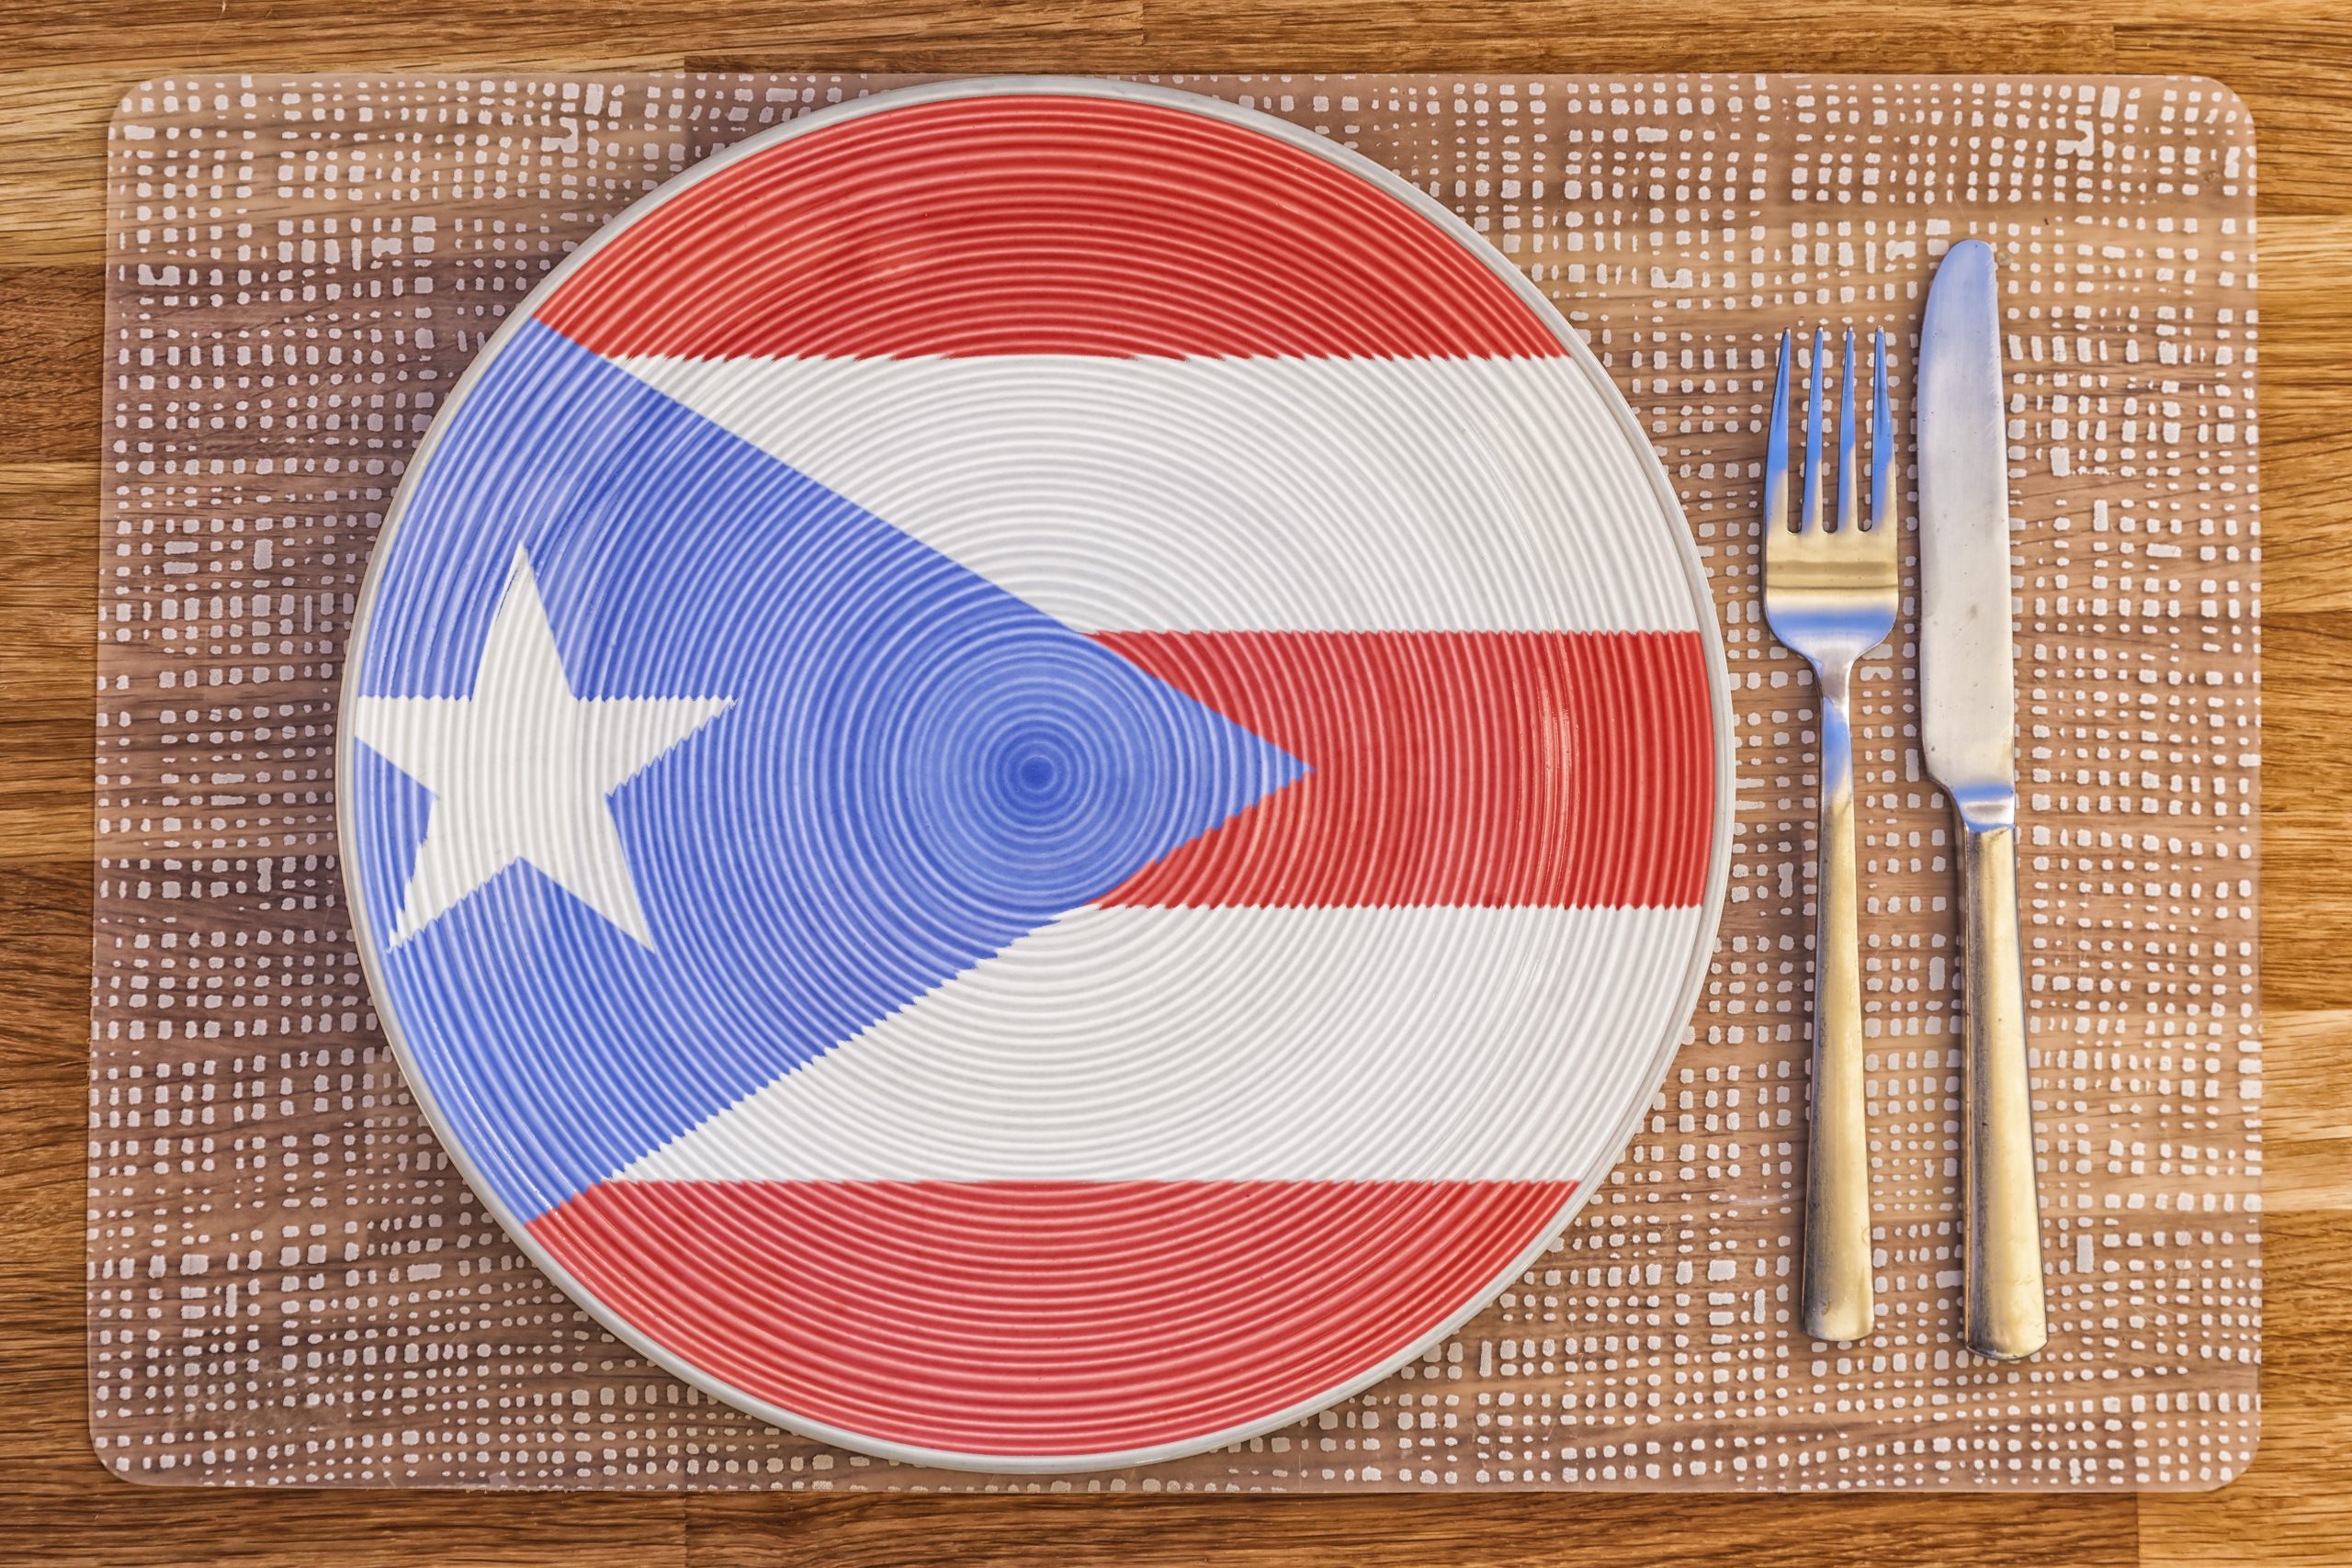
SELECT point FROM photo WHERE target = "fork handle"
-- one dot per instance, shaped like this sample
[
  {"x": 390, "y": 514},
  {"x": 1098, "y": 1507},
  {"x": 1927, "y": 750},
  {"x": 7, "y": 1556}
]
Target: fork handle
[
  {"x": 1838, "y": 1301},
  {"x": 2004, "y": 1312}
]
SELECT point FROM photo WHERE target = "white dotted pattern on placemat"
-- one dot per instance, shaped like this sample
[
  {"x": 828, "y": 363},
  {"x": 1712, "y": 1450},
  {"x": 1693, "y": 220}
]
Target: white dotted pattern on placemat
[{"x": 290, "y": 1284}]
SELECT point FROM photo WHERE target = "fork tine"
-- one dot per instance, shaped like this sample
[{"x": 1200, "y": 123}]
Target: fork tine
[
  {"x": 1882, "y": 438},
  {"x": 1810, "y": 522},
  {"x": 1847, "y": 496},
  {"x": 1776, "y": 447}
]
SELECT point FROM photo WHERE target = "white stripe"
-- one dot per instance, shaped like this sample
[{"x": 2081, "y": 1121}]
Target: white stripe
[
  {"x": 1241, "y": 494},
  {"x": 1237, "y": 1046}
]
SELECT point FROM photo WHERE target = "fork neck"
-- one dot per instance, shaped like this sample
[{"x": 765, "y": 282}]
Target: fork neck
[
  {"x": 1837, "y": 726},
  {"x": 1836, "y": 678}
]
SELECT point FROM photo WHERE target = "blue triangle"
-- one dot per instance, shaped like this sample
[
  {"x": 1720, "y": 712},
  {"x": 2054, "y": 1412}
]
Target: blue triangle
[{"x": 916, "y": 769}]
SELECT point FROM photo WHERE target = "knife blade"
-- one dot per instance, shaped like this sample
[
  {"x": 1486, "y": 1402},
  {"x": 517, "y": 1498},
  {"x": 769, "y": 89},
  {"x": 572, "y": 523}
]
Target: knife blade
[
  {"x": 1968, "y": 698},
  {"x": 1968, "y": 725}
]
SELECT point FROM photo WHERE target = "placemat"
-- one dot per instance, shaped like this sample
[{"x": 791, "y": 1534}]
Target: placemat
[{"x": 289, "y": 1283}]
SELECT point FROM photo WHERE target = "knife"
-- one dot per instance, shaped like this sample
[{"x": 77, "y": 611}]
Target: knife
[{"x": 1968, "y": 718}]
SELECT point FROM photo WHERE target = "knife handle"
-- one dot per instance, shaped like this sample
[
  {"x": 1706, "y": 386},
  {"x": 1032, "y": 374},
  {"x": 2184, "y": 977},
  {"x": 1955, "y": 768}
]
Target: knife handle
[
  {"x": 2006, "y": 1318},
  {"x": 1837, "y": 1303}
]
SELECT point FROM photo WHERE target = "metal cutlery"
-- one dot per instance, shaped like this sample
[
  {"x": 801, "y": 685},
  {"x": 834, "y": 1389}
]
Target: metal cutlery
[
  {"x": 1829, "y": 594},
  {"x": 1968, "y": 720}
]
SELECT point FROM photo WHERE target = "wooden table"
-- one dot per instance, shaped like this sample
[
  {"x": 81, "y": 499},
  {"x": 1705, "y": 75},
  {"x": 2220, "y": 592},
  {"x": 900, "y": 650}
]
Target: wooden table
[{"x": 60, "y": 70}]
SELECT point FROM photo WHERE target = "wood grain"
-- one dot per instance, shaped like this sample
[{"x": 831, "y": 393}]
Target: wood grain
[{"x": 65, "y": 65}]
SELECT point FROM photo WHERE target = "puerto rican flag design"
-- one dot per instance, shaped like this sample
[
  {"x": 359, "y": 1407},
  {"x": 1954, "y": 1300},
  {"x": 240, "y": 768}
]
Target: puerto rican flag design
[{"x": 1027, "y": 776}]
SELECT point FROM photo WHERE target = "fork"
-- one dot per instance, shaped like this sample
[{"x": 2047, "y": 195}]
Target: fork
[{"x": 1829, "y": 594}]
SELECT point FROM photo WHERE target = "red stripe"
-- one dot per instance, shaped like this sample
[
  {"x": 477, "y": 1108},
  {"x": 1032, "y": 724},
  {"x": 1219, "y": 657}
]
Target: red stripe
[
  {"x": 1022, "y": 1319},
  {"x": 1040, "y": 225},
  {"x": 1569, "y": 770}
]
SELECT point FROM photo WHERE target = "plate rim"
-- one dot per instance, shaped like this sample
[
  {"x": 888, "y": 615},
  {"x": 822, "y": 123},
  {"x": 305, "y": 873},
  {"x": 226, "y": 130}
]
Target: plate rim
[{"x": 1673, "y": 517}]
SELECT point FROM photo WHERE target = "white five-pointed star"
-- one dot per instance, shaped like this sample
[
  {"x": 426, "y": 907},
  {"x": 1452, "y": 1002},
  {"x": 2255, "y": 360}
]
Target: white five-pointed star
[{"x": 522, "y": 769}]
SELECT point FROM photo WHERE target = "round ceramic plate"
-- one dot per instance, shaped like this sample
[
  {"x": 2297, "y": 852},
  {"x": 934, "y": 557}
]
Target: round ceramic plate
[{"x": 1034, "y": 774}]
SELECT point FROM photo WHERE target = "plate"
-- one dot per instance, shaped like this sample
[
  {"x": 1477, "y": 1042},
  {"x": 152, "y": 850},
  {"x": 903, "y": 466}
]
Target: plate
[{"x": 1034, "y": 774}]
